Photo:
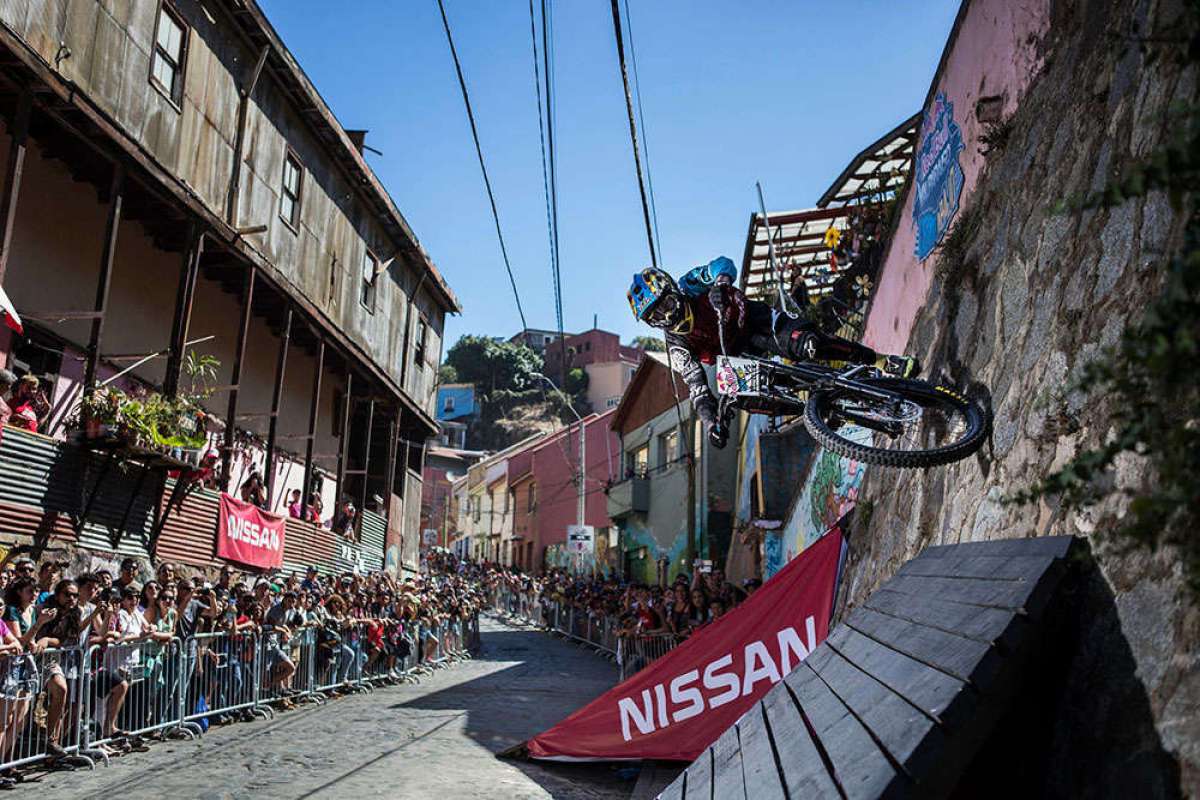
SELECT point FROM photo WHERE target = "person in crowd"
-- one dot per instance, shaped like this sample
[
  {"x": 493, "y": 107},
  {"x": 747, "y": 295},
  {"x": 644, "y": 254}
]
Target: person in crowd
[
  {"x": 25, "y": 403},
  {"x": 294, "y": 509},
  {"x": 253, "y": 490},
  {"x": 7, "y": 379},
  {"x": 282, "y": 619},
  {"x": 344, "y": 517},
  {"x": 316, "y": 508},
  {"x": 14, "y": 691},
  {"x": 48, "y": 575},
  {"x": 127, "y": 579}
]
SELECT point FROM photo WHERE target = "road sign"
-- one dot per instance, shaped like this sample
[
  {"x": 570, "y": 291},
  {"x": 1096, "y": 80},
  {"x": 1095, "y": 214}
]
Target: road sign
[{"x": 580, "y": 538}]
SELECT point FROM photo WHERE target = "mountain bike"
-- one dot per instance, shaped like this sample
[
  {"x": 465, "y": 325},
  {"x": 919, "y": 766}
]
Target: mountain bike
[{"x": 857, "y": 411}]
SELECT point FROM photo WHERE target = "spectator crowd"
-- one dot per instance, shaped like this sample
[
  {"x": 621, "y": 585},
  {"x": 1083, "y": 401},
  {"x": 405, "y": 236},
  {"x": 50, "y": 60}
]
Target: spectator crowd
[
  {"x": 136, "y": 635},
  {"x": 675, "y": 610}
]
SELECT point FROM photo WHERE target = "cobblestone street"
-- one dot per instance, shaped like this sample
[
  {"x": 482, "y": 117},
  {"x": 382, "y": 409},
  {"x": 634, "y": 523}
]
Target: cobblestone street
[{"x": 433, "y": 740}]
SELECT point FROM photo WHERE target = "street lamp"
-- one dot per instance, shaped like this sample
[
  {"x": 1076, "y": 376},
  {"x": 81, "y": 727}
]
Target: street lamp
[{"x": 582, "y": 443}]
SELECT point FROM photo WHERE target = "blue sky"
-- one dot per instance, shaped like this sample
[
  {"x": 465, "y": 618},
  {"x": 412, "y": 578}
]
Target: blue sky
[{"x": 733, "y": 92}]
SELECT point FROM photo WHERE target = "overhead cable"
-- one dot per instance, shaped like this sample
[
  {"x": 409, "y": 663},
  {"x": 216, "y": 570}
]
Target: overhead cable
[{"x": 462, "y": 83}]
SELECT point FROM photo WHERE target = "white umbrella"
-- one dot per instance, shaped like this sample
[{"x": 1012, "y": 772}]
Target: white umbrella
[{"x": 9, "y": 313}]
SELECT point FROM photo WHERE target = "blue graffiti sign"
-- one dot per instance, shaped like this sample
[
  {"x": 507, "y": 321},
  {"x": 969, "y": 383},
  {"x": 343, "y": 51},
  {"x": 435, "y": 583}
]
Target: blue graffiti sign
[{"x": 939, "y": 177}]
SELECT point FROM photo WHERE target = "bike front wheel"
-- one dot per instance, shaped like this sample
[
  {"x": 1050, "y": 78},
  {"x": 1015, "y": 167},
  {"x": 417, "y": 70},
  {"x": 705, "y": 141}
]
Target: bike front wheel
[{"x": 929, "y": 425}]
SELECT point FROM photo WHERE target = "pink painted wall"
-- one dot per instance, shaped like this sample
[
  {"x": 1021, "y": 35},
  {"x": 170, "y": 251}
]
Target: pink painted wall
[
  {"x": 554, "y": 460},
  {"x": 995, "y": 53}
]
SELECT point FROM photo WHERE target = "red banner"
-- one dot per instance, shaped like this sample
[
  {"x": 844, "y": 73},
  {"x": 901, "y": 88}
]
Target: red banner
[
  {"x": 679, "y": 705},
  {"x": 249, "y": 535}
]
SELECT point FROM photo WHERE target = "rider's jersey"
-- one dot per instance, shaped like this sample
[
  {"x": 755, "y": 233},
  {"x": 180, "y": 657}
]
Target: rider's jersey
[{"x": 697, "y": 340}]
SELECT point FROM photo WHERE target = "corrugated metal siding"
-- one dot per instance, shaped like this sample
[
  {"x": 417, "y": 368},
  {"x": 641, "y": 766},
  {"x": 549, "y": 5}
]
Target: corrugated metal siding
[
  {"x": 189, "y": 534},
  {"x": 374, "y": 536},
  {"x": 54, "y": 478},
  {"x": 305, "y": 545}
]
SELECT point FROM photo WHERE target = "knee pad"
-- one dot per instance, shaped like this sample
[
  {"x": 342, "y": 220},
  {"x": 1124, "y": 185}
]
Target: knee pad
[{"x": 803, "y": 345}]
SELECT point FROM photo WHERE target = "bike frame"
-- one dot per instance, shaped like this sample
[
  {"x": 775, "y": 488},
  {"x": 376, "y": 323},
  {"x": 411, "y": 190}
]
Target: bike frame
[{"x": 813, "y": 377}]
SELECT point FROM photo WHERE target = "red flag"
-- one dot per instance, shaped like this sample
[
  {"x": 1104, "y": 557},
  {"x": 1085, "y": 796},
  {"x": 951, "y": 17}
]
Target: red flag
[
  {"x": 679, "y": 705},
  {"x": 249, "y": 535}
]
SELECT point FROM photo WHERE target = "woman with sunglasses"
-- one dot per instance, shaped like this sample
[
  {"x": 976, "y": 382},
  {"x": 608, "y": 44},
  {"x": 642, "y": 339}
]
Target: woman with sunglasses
[
  {"x": 22, "y": 684},
  {"x": 158, "y": 608},
  {"x": 10, "y": 691}
]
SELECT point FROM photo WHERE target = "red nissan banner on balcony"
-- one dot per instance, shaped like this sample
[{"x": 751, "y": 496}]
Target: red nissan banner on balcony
[
  {"x": 680, "y": 704},
  {"x": 249, "y": 535}
]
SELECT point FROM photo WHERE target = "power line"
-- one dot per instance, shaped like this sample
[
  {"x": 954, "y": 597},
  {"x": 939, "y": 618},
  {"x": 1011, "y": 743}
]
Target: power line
[
  {"x": 462, "y": 83},
  {"x": 637, "y": 86},
  {"x": 551, "y": 228},
  {"x": 551, "y": 119},
  {"x": 637, "y": 157}
]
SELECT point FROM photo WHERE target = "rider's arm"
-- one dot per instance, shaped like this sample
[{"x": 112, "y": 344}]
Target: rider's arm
[
  {"x": 686, "y": 364},
  {"x": 699, "y": 280}
]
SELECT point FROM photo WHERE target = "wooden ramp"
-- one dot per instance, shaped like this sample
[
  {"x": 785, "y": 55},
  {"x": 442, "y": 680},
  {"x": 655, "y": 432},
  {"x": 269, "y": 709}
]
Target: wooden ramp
[{"x": 899, "y": 698}]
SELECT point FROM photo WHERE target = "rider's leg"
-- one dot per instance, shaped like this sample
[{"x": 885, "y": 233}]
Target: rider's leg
[{"x": 803, "y": 340}]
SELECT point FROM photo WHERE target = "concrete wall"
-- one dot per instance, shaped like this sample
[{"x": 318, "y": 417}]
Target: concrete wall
[
  {"x": 607, "y": 382},
  {"x": 663, "y": 531},
  {"x": 996, "y": 54}
]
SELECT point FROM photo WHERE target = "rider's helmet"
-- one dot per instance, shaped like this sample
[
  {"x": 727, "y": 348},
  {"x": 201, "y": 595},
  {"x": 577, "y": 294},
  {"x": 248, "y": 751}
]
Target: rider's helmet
[{"x": 655, "y": 299}]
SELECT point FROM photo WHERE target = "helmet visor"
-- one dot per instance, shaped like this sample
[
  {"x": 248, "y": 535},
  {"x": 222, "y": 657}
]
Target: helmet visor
[{"x": 664, "y": 312}]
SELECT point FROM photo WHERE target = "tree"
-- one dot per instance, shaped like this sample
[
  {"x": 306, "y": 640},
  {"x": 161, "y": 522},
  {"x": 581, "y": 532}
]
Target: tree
[
  {"x": 493, "y": 365},
  {"x": 651, "y": 344},
  {"x": 577, "y": 382},
  {"x": 447, "y": 374}
]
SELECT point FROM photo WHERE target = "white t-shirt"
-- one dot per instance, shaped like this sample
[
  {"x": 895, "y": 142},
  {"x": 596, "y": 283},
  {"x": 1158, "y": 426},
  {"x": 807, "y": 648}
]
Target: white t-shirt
[{"x": 127, "y": 655}]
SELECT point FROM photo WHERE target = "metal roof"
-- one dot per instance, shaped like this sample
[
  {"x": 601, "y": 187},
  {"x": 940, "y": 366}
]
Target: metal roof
[{"x": 873, "y": 176}]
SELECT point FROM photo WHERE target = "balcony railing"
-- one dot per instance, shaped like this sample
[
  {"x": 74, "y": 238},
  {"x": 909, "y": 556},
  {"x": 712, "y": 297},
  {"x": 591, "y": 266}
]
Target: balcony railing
[{"x": 630, "y": 496}]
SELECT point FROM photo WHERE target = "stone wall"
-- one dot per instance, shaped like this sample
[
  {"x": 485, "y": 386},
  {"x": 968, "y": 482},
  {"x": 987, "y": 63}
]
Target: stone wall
[{"x": 1019, "y": 302}]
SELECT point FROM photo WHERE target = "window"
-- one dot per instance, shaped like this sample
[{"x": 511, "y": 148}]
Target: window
[
  {"x": 289, "y": 196},
  {"x": 587, "y": 346},
  {"x": 419, "y": 343},
  {"x": 668, "y": 447},
  {"x": 170, "y": 52},
  {"x": 532, "y": 495},
  {"x": 368, "y": 282},
  {"x": 448, "y": 406},
  {"x": 638, "y": 463},
  {"x": 612, "y": 402}
]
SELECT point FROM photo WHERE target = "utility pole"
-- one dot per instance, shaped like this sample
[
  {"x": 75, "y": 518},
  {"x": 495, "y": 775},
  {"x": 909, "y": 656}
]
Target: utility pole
[{"x": 581, "y": 487}]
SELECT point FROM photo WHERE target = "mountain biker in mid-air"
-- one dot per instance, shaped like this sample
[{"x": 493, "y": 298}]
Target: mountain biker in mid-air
[{"x": 704, "y": 314}]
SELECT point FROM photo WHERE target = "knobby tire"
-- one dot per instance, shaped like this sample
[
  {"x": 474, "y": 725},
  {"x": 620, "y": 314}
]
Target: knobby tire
[{"x": 820, "y": 403}]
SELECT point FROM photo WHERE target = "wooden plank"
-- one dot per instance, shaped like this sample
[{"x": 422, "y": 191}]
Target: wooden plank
[
  {"x": 860, "y": 767},
  {"x": 674, "y": 790},
  {"x": 1011, "y": 568},
  {"x": 990, "y": 625},
  {"x": 805, "y": 773},
  {"x": 1008, "y": 595},
  {"x": 947, "y": 698},
  {"x": 910, "y": 736},
  {"x": 699, "y": 778},
  {"x": 759, "y": 770},
  {"x": 727, "y": 783},
  {"x": 1054, "y": 546},
  {"x": 966, "y": 659}
]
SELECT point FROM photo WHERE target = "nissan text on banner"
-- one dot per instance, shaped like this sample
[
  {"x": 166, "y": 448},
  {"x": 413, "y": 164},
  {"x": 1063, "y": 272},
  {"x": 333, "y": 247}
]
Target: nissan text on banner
[
  {"x": 249, "y": 535},
  {"x": 680, "y": 704}
]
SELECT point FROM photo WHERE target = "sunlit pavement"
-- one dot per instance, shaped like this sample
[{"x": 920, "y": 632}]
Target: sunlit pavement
[{"x": 433, "y": 740}]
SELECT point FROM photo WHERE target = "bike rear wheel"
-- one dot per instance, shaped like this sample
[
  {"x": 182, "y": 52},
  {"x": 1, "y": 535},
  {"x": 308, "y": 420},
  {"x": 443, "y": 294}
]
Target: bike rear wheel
[{"x": 937, "y": 425}]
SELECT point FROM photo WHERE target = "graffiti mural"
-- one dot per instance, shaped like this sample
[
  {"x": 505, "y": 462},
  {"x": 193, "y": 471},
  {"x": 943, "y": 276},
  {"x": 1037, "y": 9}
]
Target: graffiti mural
[
  {"x": 829, "y": 492},
  {"x": 773, "y": 559},
  {"x": 938, "y": 176}
]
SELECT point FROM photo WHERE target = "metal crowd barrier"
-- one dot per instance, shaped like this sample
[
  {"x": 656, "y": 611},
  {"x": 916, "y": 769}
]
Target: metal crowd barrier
[
  {"x": 78, "y": 705},
  {"x": 599, "y": 632}
]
